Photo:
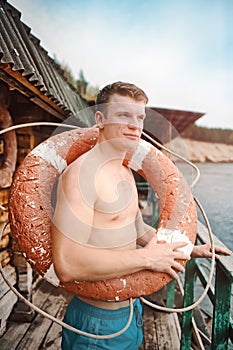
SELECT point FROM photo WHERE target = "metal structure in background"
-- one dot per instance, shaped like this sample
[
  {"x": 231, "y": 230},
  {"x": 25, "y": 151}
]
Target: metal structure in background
[{"x": 166, "y": 124}]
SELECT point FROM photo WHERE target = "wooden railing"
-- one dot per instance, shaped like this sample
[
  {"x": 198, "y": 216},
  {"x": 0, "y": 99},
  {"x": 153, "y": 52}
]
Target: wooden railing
[{"x": 220, "y": 295}]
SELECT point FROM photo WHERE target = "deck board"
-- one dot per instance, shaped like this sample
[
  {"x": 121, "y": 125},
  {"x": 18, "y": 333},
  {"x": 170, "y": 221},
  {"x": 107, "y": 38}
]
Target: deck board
[
  {"x": 40, "y": 326},
  {"x": 53, "y": 337},
  {"x": 13, "y": 336},
  {"x": 161, "y": 330}
]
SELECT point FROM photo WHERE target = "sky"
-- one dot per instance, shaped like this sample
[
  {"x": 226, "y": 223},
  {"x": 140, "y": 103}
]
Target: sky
[{"x": 180, "y": 52}]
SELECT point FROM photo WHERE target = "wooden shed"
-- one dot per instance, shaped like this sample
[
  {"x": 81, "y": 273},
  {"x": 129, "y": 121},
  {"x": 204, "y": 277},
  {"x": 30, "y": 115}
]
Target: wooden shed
[{"x": 33, "y": 88}]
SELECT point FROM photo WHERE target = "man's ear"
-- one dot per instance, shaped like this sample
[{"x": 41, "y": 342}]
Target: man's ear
[{"x": 99, "y": 118}]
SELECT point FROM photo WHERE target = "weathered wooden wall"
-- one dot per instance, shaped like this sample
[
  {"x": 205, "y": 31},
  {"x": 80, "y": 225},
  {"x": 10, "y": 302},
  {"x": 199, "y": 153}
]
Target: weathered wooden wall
[{"x": 15, "y": 267}]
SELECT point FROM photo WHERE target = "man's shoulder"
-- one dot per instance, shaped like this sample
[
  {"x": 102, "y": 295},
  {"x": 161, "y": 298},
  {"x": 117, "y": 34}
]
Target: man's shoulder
[
  {"x": 74, "y": 178},
  {"x": 74, "y": 167}
]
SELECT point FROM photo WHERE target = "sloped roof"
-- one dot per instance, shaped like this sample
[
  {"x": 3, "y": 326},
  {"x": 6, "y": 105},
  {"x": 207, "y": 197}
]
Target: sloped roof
[
  {"x": 26, "y": 66},
  {"x": 165, "y": 123}
]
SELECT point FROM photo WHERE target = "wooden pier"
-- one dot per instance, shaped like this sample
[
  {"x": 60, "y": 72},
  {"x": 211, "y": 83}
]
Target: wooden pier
[{"x": 161, "y": 330}]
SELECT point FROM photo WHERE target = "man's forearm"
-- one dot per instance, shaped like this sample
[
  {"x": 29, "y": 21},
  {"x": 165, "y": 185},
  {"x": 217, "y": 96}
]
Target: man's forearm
[
  {"x": 74, "y": 262},
  {"x": 93, "y": 264}
]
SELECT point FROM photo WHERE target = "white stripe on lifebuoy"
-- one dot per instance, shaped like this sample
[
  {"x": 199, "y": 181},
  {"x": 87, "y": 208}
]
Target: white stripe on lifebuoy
[
  {"x": 171, "y": 236},
  {"x": 51, "y": 276},
  {"x": 139, "y": 155},
  {"x": 47, "y": 152}
]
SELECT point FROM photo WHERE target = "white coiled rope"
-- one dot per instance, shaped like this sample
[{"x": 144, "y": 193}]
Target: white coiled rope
[{"x": 155, "y": 306}]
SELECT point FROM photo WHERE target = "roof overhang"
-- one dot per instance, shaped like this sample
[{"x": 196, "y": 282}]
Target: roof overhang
[
  {"x": 165, "y": 124},
  {"x": 27, "y": 67}
]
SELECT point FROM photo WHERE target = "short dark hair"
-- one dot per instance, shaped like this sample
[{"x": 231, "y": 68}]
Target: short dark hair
[{"x": 123, "y": 89}]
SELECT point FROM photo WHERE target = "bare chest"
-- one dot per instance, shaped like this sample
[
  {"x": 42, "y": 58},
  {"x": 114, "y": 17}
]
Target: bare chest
[{"x": 117, "y": 197}]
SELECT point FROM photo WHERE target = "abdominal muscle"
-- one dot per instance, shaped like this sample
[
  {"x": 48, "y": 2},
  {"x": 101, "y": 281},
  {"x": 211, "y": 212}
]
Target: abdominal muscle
[{"x": 118, "y": 232}]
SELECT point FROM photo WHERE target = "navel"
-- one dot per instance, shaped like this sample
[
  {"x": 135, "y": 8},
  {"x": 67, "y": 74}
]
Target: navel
[{"x": 114, "y": 218}]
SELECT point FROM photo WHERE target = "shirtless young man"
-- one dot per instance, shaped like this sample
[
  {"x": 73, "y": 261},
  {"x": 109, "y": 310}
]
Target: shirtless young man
[{"x": 97, "y": 224}]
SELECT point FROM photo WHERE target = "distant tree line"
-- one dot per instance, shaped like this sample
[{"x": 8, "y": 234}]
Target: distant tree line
[
  {"x": 84, "y": 88},
  {"x": 199, "y": 133}
]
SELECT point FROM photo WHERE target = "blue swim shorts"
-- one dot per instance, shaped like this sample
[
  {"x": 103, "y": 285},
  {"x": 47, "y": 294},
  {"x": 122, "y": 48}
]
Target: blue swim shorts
[{"x": 100, "y": 321}]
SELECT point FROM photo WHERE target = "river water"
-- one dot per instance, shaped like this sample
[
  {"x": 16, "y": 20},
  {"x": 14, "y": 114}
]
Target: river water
[{"x": 214, "y": 191}]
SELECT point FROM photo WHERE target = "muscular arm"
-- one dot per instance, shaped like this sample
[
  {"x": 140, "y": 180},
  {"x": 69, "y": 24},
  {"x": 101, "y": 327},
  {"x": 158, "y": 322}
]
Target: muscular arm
[{"x": 73, "y": 261}]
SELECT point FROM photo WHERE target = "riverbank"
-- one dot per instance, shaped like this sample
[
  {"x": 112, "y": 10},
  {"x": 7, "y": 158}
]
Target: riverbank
[{"x": 202, "y": 152}]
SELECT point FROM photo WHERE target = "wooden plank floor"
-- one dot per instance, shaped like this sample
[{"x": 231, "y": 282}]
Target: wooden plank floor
[{"x": 161, "y": 330}]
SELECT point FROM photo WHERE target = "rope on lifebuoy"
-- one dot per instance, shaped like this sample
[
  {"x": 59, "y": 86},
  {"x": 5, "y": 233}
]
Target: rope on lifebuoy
[
  {"x": 25, "y": 125},
  {"x": 30, "y": 209},
  {"x": 156, "y": 143},
  {"x": 131, "y": 308},
  {"x": 154, "y": 306},
  {"x": 10, "y": 152}
]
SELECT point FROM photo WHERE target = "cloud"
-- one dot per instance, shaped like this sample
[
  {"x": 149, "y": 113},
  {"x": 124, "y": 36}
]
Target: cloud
[{"x": 178, "y": 53}]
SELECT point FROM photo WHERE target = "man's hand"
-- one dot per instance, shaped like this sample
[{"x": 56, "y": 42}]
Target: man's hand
[
  {"x": 163, "y": 256},
  {"x": 204, "y": 251}
]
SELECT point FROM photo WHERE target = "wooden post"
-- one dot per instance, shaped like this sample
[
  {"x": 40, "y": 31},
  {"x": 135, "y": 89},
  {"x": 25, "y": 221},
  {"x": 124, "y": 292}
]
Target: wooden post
[{"x": 22, "y": 312}]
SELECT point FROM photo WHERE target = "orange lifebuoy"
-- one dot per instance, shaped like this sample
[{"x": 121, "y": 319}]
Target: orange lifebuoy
[
  {"x": 10, "y": 157},
  {"x": 30, "y": 210}
]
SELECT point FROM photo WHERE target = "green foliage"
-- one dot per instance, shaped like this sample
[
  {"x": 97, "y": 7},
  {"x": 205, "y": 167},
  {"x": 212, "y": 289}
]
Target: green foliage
[
  {"x": 84, "y": 88},
  {"x": 69, "y": 76},
  {"x": 218, "y": 135}
]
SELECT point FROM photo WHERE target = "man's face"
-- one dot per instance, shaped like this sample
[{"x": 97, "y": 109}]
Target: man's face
[{"x": 123, "y": 118}]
